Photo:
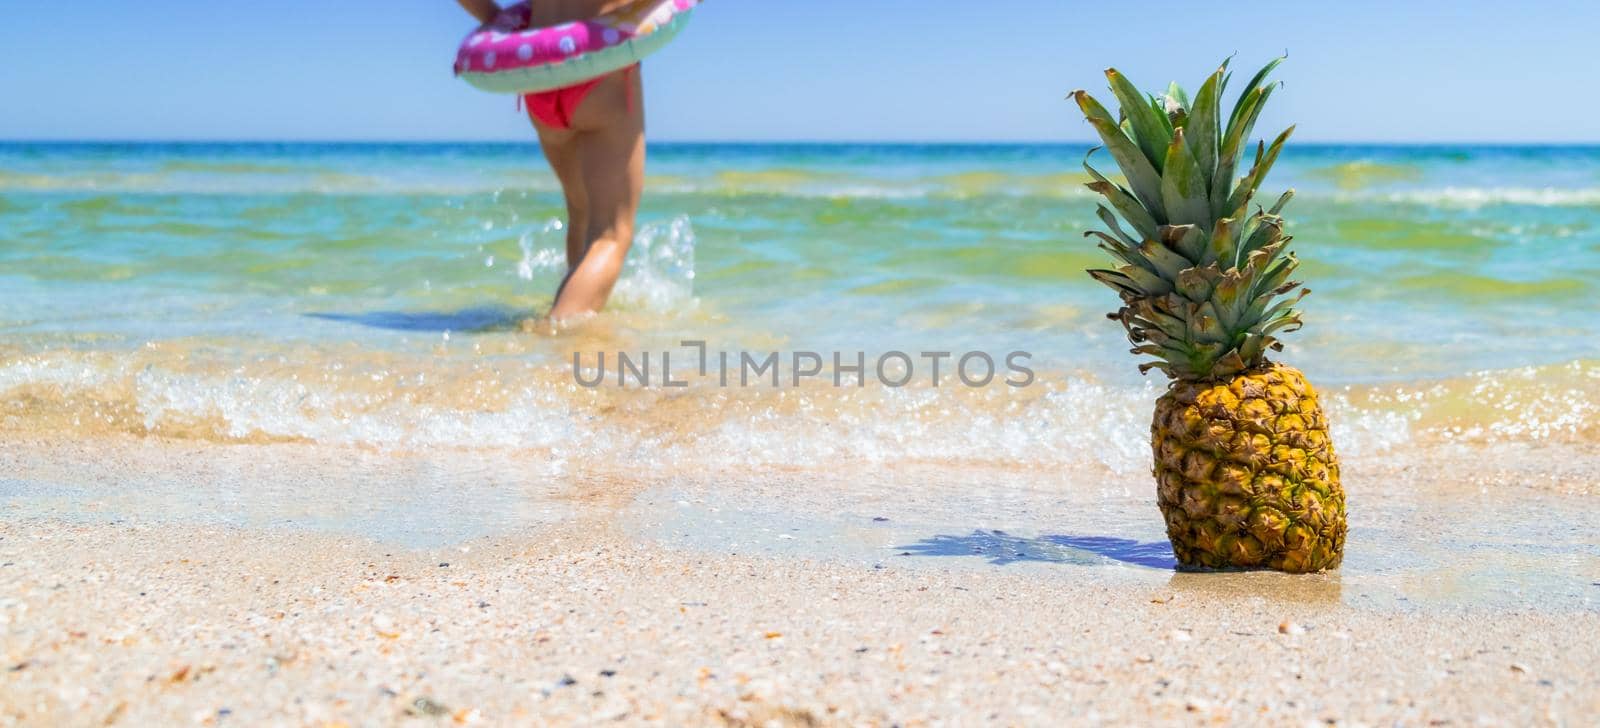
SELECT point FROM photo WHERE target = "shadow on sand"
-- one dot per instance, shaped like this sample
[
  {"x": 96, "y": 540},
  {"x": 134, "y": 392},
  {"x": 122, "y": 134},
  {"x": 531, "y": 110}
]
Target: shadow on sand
[
  {"x": 482, "y": 318},
  {"x": 1001, "y": 548}
]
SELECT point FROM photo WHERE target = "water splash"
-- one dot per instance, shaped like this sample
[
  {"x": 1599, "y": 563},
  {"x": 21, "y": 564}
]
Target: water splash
[
  {"x": 660, "y": 272},
  {"x": 537, "y": 257}
]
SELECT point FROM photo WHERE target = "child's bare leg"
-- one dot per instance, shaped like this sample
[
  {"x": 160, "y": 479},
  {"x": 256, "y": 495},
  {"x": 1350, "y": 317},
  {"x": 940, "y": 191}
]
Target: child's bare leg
[
  {"x": 561, "y": 148},
  {"x": 610, "y": 149}
]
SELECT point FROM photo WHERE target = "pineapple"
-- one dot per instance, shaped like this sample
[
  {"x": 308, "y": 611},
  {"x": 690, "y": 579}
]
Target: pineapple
[{"x": 1245, "y": 471}]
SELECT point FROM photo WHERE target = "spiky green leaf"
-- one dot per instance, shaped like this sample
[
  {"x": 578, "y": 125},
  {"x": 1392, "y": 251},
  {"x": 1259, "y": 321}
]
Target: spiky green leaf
[
  {"x": 1165, "y": 261},
  {"x": 1203, "y": 132},
  {"x": 1234, "y": 139},
  {"x": 1183, "y": 187},
  {"x": 1283, "y": 200},
  {"x": 1121, "y": 251},
  {"x": 1110, "y": 219},
  {"x": 1258, "y": 172},
  {"x": 1255, "y": 82},
  {"x": 1142, "y": 176},
  {"x": 1190, "y": 240},
  {"x": 1152, "y": 135},
  {"x": 1132, "y": 210}
]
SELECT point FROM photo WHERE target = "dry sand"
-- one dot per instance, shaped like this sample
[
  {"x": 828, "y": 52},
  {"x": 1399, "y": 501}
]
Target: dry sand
[
  {"x": 586, "y": 620},
  {"x": 144, "y": 626}
]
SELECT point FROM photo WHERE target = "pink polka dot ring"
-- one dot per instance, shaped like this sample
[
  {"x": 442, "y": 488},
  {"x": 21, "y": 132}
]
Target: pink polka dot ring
[{"x": 506, "y": 56}]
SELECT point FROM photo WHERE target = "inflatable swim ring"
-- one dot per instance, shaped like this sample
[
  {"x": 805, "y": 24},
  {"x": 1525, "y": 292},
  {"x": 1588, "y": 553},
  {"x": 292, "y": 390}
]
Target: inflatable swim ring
[{"x": 506, "y": 56}]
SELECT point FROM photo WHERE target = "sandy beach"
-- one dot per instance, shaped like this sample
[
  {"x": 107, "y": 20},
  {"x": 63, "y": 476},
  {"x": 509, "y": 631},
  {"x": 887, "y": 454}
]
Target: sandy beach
[
  {"x": 119, "y": 608},
  {"x": 846, "y": 364},
  {"x": 275, "y": 450}
]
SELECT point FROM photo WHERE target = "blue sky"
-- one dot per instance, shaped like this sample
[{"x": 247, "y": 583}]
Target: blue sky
[{"x": 790, "y": 70}]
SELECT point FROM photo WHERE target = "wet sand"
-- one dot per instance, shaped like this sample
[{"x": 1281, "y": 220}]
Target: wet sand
[{"x": 801, "y": 597}]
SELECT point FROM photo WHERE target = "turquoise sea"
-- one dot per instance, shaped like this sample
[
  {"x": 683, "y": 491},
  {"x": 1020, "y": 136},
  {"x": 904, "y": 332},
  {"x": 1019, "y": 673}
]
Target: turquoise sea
[{"x": 370, "y": 294}]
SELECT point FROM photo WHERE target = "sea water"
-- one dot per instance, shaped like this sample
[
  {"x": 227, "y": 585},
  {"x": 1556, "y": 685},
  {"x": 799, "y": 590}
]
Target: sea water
[
  {"x": 352, "y": 317},
  {"x": 372, "y": 294}
]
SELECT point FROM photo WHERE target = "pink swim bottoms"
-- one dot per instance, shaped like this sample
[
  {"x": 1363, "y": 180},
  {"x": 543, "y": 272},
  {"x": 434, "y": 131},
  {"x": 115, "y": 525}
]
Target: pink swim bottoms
[{"x": 555, "y": 108}]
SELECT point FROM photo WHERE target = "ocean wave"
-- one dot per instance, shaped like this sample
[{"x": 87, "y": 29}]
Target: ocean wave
[
  {"x": 224, "y": 178},
  {"x": 238, "y": 167},
  {"x": 1352, "y": 183},
  {"x": 1362, "y": 174},
  {"x": 385, "y": 402},
  {"x": 1476, "y": 197},
  {"x": 350, "y": 396},
  {"x": 13, "y": 181},
  {"x": 194, "y": 182}
]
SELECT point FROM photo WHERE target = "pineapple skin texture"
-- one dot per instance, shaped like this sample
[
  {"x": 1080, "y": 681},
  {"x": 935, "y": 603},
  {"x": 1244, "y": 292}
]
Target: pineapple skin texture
[{"x": 1246, "y": 475}]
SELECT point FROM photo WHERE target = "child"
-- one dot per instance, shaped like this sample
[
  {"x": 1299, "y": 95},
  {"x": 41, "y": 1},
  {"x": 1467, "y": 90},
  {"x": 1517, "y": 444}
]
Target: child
[{"x": 592, "y": 134}]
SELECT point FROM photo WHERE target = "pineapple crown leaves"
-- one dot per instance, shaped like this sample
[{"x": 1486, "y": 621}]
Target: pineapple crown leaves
[{"x": 1203, "y": 280}]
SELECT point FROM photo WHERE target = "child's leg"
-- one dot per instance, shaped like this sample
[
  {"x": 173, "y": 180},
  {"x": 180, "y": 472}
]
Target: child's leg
[
  {"x": 561, "y": 149},
  {"x": 611, "y": 151}
]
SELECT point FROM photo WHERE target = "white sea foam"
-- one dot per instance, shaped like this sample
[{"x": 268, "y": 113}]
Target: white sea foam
[
  {"x": 253, "y": 407},
  {"x": 518, "y": 406},
  {"x": 292, "y": 181},
  {"x": 1367, "y": 431},
  {"x": 1476, "y": 197},
  {"x": 551, "y": 258},
  {"x": 660, "y": 270}
]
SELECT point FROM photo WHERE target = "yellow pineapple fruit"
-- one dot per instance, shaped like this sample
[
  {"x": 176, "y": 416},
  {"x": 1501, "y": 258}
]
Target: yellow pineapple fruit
[{"x": 1246, "y": 474}]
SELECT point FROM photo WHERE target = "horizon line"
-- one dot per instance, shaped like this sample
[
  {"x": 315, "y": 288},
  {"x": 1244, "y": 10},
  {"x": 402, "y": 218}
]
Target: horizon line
[
  {"x": 797, "y": 143},
  {"x": 776, "y": 142}
]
